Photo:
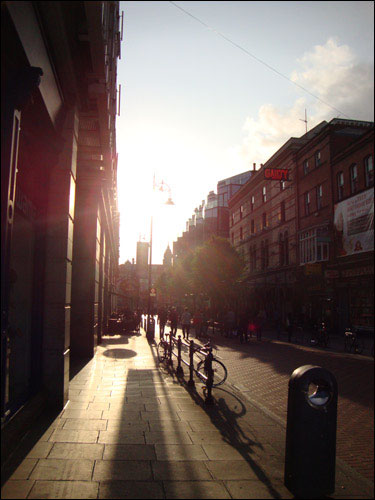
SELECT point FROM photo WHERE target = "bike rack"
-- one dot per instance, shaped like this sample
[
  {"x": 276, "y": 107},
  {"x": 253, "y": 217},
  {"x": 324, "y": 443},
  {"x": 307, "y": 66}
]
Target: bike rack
[{"x": 192, "y": 350}]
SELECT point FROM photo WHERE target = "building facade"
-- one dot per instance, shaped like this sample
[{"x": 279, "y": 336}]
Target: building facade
[
  {"x": 286, "y": 231},
  {"x": 60, "y": 221}
]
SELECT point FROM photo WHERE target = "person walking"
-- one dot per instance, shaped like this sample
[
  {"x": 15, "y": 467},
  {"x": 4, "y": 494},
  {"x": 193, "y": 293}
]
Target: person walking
[
  {"x": 173, "y": 318},
  {"x": 197, "y": 323},
  {"x": 185, "y": 323},
  {"x": 162, "y": 320}
]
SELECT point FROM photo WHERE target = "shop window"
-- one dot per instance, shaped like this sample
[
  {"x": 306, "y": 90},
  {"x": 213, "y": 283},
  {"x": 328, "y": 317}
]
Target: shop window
[
  {"x": 307, "y": 203},
  {"x": 319, "y": 196},
  {"x": 340, "y": 186},
  {"x": 311, "y": 248},
  {"x": 353, "y": 179},
  {"x": 369, "y": 171}
]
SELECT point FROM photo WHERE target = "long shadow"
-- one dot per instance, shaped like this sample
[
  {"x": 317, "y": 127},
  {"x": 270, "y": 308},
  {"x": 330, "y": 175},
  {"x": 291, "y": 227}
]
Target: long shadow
[
  {"x": 227, "y": 422},
  {"x": 286, "y": 357}
]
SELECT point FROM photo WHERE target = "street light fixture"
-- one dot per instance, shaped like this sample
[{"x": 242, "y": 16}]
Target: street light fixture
[{"x": 150, "y": 326}]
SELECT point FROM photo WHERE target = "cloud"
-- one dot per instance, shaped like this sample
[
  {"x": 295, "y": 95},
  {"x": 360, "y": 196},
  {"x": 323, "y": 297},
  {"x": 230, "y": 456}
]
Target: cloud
[{"x": 331, "y": 72}]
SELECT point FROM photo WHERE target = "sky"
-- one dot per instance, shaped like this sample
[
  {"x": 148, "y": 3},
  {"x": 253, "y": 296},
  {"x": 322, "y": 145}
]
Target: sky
[{"x": 209, "y": 88}]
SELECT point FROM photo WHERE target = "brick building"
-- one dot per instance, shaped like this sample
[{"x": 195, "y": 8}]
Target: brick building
[
  {"x": 60, "y": 221},
  {"x": 285, "y": 228}
]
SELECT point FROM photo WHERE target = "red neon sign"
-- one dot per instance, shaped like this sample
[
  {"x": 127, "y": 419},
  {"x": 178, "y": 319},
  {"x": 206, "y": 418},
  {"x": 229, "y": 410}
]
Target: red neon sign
[{"x": 276, "y": 174}]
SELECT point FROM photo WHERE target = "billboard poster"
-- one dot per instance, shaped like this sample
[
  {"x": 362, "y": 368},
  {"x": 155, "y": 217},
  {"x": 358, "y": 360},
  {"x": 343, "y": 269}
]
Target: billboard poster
[{"x": 354, "y": 224}]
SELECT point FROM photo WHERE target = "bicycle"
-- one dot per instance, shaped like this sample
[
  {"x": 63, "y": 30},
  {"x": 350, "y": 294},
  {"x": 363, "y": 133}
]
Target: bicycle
[
  {"x": 163, "y": 349},
  {"x": 220, "y": 372},
  {"x": 352, "y": 342}
]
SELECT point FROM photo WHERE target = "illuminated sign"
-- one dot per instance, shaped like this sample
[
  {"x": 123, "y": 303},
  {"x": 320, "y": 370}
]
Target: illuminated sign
[{"x": 276, "y": 174}]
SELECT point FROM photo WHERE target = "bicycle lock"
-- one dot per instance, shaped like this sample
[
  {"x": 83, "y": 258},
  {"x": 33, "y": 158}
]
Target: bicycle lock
[
  {"x": 310, "y": 452},
  {"x": 209, "y": 378}
]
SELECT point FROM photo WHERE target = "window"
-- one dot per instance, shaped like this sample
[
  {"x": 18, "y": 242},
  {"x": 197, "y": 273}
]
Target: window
[
  {"x": 252, "y": 227},
  {"x": 312, "y": 248},
  {"x": 317, "y": 158},
  {"x": 369, "y": 171},
  {"x": 306, "y": 167},
  {"x": 266, "y": 254},
  {"x": 340, "y": 186},
  {"x": 281, "y": 250},
  {"x": 264, "y": 220},
  {"x": 353, "y": 179},
  {"x": 262, "y": 256},
  {"x": 241, "y": 211},
  {"x": 286, "y": 247},
  {"x": 252, "y": 203},
  {"x": 307, "y": 203},
  {"x": 282, "y": 185},
  {"x": 282, "y": 211},
  {"x": 264, "y": 194},
  {"x": 319, "y": 196}
]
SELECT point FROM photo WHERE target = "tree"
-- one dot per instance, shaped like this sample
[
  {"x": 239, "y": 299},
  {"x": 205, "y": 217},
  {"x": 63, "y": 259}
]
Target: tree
[{"x": 216, "y": 268}]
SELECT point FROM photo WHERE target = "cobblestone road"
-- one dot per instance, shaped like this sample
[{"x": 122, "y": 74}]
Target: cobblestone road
[{"x": 261, "y": 370}]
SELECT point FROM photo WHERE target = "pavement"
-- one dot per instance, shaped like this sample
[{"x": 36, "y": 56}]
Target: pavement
[{"x": 132, "y": 429}]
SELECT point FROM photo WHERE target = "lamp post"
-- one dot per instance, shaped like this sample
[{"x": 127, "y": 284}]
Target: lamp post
[{"x": 150, "y": 326}]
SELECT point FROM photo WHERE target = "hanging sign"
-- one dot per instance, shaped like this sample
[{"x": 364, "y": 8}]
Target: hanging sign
[{"x": 276, "y": 174}]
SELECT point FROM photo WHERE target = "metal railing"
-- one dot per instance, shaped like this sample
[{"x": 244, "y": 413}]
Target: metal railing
[{"x": 193, "y": 349}]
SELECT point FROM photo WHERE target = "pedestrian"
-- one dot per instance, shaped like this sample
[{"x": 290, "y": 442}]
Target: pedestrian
[
  {"x": 185, "y": 323},
  {"x": 173, "y": 318},
  {"x": 243, "y": 323},
  {"x": 162, "y": 320},
  {"x": 197, "y": 323}
]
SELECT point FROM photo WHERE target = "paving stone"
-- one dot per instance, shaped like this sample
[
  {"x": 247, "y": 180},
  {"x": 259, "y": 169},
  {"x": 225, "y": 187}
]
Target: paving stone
[
  {"x": 183, "y": 470},
  {"x": 122, "y": 437},
  {"x": 223, "y": 452},
  {"x": 87, "y": 414},
  {"x": 122, "y": 413},
  {"x": 195, "y": 489},
  {"x": 58, "y": 469},
  {"x": 208, "y": 437},
  {"x": 24, "y": 469},
  {"x": 77, "y": 450},
  {"x": 168, "y": 437},
  {"x": 74, "y": 436},
  {"x": 257, "y": 489},
  {"x": 127, "y": 425},
  {"x": 16, "y": 489},
  {"x": 78, "y": 405},
  {"x": 231, "y": 469},
  {"x": 85, "y": 424},
  {"x": 171, "y": 425},
  {"x": 159, "y": 415},
  {"x": 98, "y": 406},
  {"x": 131, "y": 489},
  {"x": 122, "y": 470},
  {"x": 64, "y": 489},
  {"x": 129, "y": 452},
  {"x": 39, "y": 450},
  {"x": 179, "y": 452}
]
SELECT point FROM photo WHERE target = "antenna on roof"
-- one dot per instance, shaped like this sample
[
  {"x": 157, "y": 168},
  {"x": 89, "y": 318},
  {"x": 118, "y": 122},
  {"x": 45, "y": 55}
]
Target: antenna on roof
[{"x": 305, "y": 120}]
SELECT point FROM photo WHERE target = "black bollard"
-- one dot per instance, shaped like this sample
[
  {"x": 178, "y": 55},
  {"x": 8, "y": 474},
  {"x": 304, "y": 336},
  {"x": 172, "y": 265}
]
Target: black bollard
[
  {"x": 179, "y": 371},
  {"x": 170, "y": 360},
  {"x": 191, "y": 382},
  {"x": 210, "y": 376},
  {"x": 310, "y": 453}
]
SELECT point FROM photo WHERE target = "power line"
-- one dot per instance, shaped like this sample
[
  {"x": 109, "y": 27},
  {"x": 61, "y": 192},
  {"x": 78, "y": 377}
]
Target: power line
[{"x": 256, "y": 58}]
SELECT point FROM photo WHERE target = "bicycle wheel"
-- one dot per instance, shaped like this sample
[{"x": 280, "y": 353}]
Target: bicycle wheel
[
  {"x": 220, "y": 372},
  {"x": 162, "y": 351}
]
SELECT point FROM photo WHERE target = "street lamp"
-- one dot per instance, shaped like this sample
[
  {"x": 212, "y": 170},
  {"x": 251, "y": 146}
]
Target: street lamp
[{"x": 150, "y": 326}]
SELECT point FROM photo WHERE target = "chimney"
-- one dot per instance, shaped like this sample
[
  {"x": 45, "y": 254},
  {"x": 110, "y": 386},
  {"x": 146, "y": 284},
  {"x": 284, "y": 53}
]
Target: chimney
[
  {"x": 254, "y": 166},
  {"x": 261, "y": 165}
]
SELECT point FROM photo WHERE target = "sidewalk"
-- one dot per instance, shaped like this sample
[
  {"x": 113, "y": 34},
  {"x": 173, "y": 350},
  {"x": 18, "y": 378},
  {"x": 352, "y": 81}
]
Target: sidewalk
[{"x": 132, "y": 430}]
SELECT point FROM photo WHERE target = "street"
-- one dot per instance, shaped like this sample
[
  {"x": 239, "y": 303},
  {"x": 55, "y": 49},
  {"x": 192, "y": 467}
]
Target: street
[{"x": 261, "y": 371}]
